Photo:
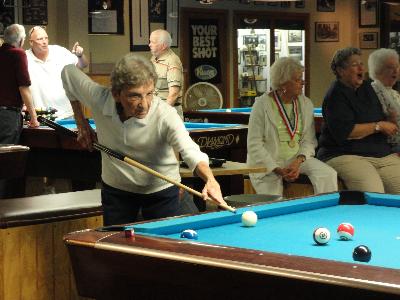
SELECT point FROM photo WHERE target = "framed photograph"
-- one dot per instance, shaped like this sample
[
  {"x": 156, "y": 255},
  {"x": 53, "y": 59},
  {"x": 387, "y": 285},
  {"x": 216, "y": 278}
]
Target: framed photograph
[
  {"x": 277, "y": 37},
  {"x": 157, "y": 11},
  {"x": 294, "y": 36},
  {"x": 296, "y": 52},
  {"x": 173, "y": 20},
  {"x": 368, "y": 15},
  {"x": 262, "y": 41},
  {"x": 368, "y": 40},
  {"x": 248, "y": 60},
  {"x": 327, "y": 31},
  {"x": 106, "y": 17},
  {"x": 263, "y": 58},
  {"x": 250, "y": 40},
  {"x": 300, "y": 4},
  {"x": 7, "y": 17},
  {"x": 285, "y": 4},
  {"x": 35, "y": 13},
  {"x": 250, "y": 57},
  {"x": 326, "y": 5}
]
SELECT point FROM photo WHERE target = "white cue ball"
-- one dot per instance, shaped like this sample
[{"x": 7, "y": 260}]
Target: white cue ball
[
  {"x": 249, "y": 218},
  {"x": 228, "y": 110}
]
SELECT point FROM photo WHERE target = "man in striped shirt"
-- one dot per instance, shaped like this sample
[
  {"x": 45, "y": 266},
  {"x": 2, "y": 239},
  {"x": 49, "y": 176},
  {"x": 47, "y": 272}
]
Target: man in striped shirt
[{"x": 168, "y": 68}]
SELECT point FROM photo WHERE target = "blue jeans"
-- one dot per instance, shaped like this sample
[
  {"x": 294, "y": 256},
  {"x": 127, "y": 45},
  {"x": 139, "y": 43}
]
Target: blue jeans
[{"x": 121, "y": 207}]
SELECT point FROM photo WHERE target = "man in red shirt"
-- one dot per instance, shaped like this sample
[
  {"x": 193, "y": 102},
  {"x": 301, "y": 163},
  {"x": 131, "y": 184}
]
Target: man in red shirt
[
  {"x": 14, "y": 85},
  {"x": 14, "y": 89}
]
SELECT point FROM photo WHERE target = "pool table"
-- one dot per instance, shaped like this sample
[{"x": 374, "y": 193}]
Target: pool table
[
  {"x": 276, "y": 259},
  {"x": 49, "y": 149},
  {"x": 239, "y": 115}
]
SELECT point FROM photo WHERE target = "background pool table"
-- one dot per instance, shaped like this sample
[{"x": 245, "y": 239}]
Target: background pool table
[
  {"x": 56, "y": 155},
  {"x": 276, "y": 259},
  {"x": 239, "y": 115}
]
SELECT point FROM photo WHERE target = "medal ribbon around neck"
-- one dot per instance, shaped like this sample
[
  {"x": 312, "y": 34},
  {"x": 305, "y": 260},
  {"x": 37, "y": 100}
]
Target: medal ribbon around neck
[{"x": 290, "y": 128}]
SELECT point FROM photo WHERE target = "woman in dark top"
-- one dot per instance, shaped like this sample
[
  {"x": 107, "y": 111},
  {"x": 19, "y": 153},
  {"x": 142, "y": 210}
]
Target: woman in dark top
[{"x": 354, "y": 137}]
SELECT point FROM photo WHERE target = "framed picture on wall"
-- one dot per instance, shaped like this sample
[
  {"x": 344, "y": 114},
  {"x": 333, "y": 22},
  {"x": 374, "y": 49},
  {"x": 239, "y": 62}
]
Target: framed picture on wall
[
  {"x": 7, "y": 17},
  {"x": 157, "y": 11},
  {"x": 326, "y": 5},
  {"x": 300, "y": 4},
  {"x": 106, "y": 17},
  {"x": 277, "y": 36},
  {"x": 294, "y": 36},
  {"x": 368, "y": 15},
  {"x": 250, "y": 40},
  {"x": 368, "y": 40},
  {"x": 327, "y": 31},
  {"x": 263, "y": 58},
  {"x": 35, "y": 13},
  {"x": 296, "y": 52}
]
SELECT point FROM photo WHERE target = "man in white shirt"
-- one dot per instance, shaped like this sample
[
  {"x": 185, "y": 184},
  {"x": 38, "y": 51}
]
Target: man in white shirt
[
  {"x": 45, "y": 63},
  {"x": 130, "y": 120}
]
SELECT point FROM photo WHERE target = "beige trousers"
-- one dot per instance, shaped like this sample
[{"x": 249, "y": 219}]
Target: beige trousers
[
  {"x": 322, "y": 177},
  {"x": 369, "y": 174}
]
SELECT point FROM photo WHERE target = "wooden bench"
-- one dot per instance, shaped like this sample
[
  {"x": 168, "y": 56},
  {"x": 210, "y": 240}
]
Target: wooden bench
[
  {"x": 300, "y": 188},
  {"x": 34, "y": 261}
]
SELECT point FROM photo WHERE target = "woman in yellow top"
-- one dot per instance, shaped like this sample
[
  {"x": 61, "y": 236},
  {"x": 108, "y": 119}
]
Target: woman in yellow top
[{"x": 281, "y": 134}]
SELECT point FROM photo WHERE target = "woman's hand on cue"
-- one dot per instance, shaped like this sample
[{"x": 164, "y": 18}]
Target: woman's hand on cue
[
  {"x": 212, "y": 190},
  {"x": 86, "y": 135}
]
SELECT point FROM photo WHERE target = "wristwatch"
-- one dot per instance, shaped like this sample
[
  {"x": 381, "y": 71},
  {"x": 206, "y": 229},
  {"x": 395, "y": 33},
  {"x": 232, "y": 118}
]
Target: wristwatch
[{"x": 377, "y": 127}]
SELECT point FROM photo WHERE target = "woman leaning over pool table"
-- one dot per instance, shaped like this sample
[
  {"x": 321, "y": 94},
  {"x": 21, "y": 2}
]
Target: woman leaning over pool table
[
  {"x": 281, "y": 134},
  {"x": 130, "y": 120}
]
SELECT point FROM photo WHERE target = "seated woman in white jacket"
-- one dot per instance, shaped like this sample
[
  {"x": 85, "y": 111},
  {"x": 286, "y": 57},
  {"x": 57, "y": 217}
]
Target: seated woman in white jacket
[{"x": 281, "y": 134}]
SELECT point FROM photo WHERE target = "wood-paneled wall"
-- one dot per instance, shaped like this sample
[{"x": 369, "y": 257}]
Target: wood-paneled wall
[{"x": 34, "y": 262}]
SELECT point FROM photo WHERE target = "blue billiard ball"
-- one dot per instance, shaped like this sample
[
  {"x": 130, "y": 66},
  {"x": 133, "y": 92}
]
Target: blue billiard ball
[{"x": 189, "y": 234}]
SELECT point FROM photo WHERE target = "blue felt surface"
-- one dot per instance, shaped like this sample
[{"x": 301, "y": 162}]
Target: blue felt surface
[
  {"x": 317, "y": 110},
  {"x": 70, "y": 124},
  {"x": 287, "y": 228}
]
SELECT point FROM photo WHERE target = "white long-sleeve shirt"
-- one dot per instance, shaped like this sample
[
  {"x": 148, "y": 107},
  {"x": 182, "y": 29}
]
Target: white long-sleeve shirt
[{"x": 150, "y": 141}]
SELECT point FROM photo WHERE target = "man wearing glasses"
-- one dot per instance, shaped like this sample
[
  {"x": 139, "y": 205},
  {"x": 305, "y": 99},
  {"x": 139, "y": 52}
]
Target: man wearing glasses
[{"x": 45, "y": 63}]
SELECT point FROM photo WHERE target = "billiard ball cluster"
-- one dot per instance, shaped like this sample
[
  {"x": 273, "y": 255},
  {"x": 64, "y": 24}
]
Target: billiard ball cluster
[{"x": 345, "y": 231}]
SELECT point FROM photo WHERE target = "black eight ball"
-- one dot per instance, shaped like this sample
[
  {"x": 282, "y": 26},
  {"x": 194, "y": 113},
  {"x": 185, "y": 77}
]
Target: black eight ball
[{"x": 362, "y": 253}]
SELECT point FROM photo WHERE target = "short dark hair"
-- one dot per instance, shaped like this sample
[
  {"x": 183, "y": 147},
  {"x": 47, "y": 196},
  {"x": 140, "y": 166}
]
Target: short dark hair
[{"x": 341, "y": 57}]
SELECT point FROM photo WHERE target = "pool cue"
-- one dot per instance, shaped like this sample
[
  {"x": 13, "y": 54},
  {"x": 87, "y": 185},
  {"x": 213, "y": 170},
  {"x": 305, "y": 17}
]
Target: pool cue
[{"x": 63, "y": 130}]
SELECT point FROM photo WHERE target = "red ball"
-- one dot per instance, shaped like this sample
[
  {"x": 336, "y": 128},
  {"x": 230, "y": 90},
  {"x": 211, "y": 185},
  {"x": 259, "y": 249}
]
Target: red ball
[{"x": 345, "y": 231}]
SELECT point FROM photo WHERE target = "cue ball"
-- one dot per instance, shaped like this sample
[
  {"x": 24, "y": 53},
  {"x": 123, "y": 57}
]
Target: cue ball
[
  {"x": 189, "y": 234},
  {"x": 345, "y": 231},
  {"x": 362, "y": 253},
  {"x": 249, "y": 218},
  {"x": 321, "y": 235}
]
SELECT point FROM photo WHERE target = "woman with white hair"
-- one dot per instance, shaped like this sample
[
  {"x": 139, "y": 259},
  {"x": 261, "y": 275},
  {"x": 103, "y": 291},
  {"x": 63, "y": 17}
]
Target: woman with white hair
[
  {"x": 384, "y": 67},
  {"x": 281, "y": 134},
  {"x": 353, "y": 139}
]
